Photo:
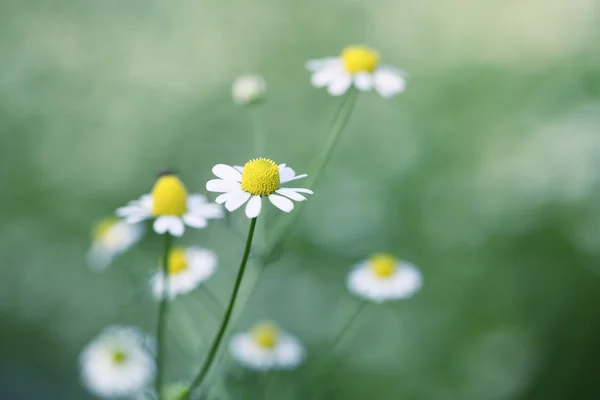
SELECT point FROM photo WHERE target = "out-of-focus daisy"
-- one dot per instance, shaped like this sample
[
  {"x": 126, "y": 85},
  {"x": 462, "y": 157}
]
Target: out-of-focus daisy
[
  {"x": 383, "y": 277},
  {"x": 171, "y": 206},
  {"x": 359, "y": 66},
  {"x": 249, "y": 89},
  {"x": 259, "y": 178},
  {"x": 110, "y": 238},
  {"x": 267, "y": 347},
  {"x": 118, "y": 363},
  {"x": 187, "y": 268}
]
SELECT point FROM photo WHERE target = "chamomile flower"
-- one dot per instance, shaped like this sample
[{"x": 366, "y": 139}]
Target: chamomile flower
[
  {"x": 187, "y": 268},
  {"x": 118, "y": 363},
  {"x": 266, "y": 347},
  {"x": 358, "y": 66},
  {"x": 249, "y": 89},
  {"x": 171, "y": 206},
  {"x": 110, "y": 238},
  {"x": 383, "y": 277},
  {"x": 259, "y": 178}
]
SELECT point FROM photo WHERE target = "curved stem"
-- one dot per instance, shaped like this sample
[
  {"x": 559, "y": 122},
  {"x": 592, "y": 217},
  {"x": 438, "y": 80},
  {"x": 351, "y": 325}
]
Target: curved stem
[
  {"x": 162, "y": 317},
  {"x": 214, "y": 347},
  {"x": 284, "y": 225},
  {"x": 347, "y": 325}
]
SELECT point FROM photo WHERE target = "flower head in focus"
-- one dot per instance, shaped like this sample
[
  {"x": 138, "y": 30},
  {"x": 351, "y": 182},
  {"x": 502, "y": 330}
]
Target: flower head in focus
[
  {"x": 249, "y": 89},
  {"x": 187, "y": 268},
  {"x": 110, "y": 238},
  {"x": 171, "y": 206},
  {"x": 383, "y": 277},
  {"x": 359, "y": 66},
  {"x": 266, "y": 347},
  {"x": 259, "y": 178},
  {"x": 118, "y": 363}
]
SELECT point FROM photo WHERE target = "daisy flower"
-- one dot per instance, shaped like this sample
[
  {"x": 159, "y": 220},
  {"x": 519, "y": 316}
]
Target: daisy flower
[
  {"x": 358, "y": 66},
  {"x": 249, "y": 89},
  {"x": 383, "y": 277},
  {"x": 187, "y": 268},
  {"x": 171, "y": 206},
  {"x": 110, "y": 238},
  {"x": 118, "y": 363},
  {"x": 266, "y": 347},
  {"x": 259, "y": 178}
]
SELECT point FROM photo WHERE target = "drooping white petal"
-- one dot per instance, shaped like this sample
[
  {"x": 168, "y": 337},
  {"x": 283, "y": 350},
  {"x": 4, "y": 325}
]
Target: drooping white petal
[
  {"x": 340, "y": 84},
  {"x": 301, "y": 190},
  {"x": 239, "y": 168},
  {"x": 207, "y": 210},
  {"x": 161, "y": 224},
  {"x": 227, "y": 172},
  {"x": 292, "y": 194},
  {"x": 326, "y": 75},
  {"x": 236, "y": 200},
  {"x": 284, "y": 204},
  {"x": 253, "y": 207},
  {"x": 363, "y": 81},
  {"x": 176, "y": 227},
  {"x": 388, "y": 81},
  {"x": 196, "y": 199},
  {"x": 222, "y": 198},
  {"x": 221, "y": 186},
  {"x": 169, "y": 223},
  {"x": 194, "y": 220}
]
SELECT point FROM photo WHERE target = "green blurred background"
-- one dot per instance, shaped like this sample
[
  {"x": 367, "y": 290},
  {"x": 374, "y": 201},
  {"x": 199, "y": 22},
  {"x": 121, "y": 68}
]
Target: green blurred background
[{"x": 485, "y": 173}]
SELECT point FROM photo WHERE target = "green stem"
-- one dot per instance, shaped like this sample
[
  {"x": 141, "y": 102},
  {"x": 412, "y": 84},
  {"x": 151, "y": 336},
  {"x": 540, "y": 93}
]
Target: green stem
[
  {"x": 214, "y": 347},
  {"x": 162, "y": 317},
  {"x": 284, "y": 225},
  {"x": 347, "y": 325}
]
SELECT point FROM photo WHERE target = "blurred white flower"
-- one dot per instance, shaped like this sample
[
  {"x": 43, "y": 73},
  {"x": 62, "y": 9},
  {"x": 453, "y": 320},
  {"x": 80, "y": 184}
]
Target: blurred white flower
[
  {"x": 358, "y": 66},
  {"x": 187, "y": 268},
  {"x": 118, "y": 363},
  {"x": 267, "y": 347},
  {"x": 383, "y": 277},
  {"x": 110, "y": 238},
  {"x": 171, "y": 206},
  {"x": 259, "y": 177},
  {"x": 249, "y": 89}
]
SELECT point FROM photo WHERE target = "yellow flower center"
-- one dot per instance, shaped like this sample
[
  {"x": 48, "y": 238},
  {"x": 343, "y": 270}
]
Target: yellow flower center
[
  {"x": 260, "y": 177},
  {"x": 169, "y": 196},
  {"x": 102, "y": 227},
  {"x": 360, "y": 59},
  {"x": 383, "y": 265},
  {"x": 119, "y": 357},
  {"x": 177, "y": 262},
  {"x": 265, "y": 334}
]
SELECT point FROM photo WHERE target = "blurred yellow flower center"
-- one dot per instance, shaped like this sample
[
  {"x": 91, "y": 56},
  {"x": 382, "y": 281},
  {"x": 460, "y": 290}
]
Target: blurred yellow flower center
[
  {"x": 169, "y": 196},
  {"x": 260, "y": 177},
  {"x": 265, "y": 334},
  {"x": 177, "y": 261},
  {"x": 383, "y": 265},
  {"x": 360, "y": 59},
  {"x": 119, "y": 357},
  {"x": 102, "y": 227}
]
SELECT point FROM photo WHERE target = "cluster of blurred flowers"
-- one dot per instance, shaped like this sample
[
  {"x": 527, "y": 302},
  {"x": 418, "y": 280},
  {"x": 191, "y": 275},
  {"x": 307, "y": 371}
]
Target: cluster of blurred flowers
[{"x": 123, "y": 362}]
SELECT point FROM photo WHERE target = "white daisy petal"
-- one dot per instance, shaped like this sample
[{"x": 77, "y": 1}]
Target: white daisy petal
[
  {"x": 196, "y": 199},
  {"x": 286, "y": 174},
  {"x": 326, "y": 75},
  {"x": 297, "y": 177},
  {"x": 222, "y": 198},
  {"x": 176, "y": 227},
  {"x": 221, "y": 186},
  {"x": 236, "y": 199},
  {"x": 253, "y": 207},
  {"x": 227, "y": 172},
  {"x": 388, "y": 81},
  {"x": 292, "y": 194},
  {"x": 281, "y": 202},
  {"x": 363, "y": 81},
  {"x": 340, "y": 84},
  {"x": 301, "y": 190},
  {"x": 239, "y": 168},
  {"x": 194, "y": 220},
  {"x": 161, "y": 224},
  {"x": 207, "y": 210}
]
